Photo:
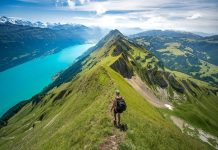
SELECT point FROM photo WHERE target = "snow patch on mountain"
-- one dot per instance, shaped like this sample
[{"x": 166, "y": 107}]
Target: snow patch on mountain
[{"x": 5, "y": 20}]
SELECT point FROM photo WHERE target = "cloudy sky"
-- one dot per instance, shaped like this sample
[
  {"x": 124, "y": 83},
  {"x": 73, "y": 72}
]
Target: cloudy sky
[{"x": 188, "y": 15}]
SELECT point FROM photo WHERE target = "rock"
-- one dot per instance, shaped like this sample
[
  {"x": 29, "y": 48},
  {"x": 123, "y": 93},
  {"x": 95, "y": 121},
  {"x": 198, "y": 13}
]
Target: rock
[
  {"x": 121, "y": 47},
  {"x": 175, "y": 84},
  {"x": 121, "y": 66},
  {"x": 185, "y": 83},
  {"x": 157, "y": 78}
]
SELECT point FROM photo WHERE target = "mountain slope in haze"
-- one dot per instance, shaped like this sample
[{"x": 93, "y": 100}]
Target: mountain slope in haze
[
  {"x": 74, "y": 112},
  {"x": 184, "y": 52},
  {"x": 166, "y": 33},
  {"x": 5, "y": 20},
  {"x": 21, "y": 41},
  {"x": 19, "y": 44}
]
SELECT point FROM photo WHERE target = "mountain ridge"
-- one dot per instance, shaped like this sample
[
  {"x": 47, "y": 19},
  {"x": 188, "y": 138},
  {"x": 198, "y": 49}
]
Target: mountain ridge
[
  {"x": 168, "y": 33},
  {"x": 22, "y": 41},
  {"x": 190, "y": 55},
  {"x": 77, "y": 108},
  {"x": 39, "y": 24}
]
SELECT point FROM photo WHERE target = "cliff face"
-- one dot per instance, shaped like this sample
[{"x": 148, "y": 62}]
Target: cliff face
[{"x": 122, "y": 66}]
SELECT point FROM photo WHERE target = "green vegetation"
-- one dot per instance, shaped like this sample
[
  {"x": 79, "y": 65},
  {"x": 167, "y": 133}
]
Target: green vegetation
[
  {"x": 209, "y": 70},
  {"x": 148, "y": 129},
  {"x": 190, "y": 54},
  {"x": 201, "y": 112},
  {"x": 75, "y": 115},
  {"x": 19, "y": 44},
  {"x": 172, "y": 49},
  {"x": 82, "y": 119}
]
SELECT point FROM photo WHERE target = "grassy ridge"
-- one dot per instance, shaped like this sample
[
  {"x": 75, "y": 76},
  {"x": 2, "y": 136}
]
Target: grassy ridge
[
  {"x": 76, "y": 115},
  {"x": 148, "y": 129},
  {"x": 192, "y": 56},
  {"x": 82, "y": 119},
  {"x": 78, "y": 120}
]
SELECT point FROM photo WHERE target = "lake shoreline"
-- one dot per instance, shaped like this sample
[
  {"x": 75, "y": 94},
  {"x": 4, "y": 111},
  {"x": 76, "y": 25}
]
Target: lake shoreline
[
  {"x": 43, "y": 67},
  {"x": 30, "y": 56}
]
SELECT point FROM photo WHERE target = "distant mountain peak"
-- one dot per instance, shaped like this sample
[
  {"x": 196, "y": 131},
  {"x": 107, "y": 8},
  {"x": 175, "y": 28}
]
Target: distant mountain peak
[
  {"x": 112, "y": 36},
  {"x": 167, "y": 33},
  {"x": 115, "y": 32},
  {"x": 4, "y": 19}
]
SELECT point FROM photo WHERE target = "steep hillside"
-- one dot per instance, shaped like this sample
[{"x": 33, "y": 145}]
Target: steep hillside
[
  {"x": 21, "y": 43},
  {"x": 73, "y": 112},
  {"x": 184, "y": 52}
]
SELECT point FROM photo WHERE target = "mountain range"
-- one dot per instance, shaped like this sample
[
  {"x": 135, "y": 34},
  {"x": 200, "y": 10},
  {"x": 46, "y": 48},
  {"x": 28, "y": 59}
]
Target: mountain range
[
  {"x": 21, "y": 41},
  {"x": 166, "y": 109},
  {"x": 4, "y": 19},
  {"x": 183, "y": 51}
]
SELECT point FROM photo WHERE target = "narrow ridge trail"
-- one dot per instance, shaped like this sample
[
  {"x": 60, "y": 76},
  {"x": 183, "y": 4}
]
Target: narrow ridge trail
[{"x": 111, "y": 143}]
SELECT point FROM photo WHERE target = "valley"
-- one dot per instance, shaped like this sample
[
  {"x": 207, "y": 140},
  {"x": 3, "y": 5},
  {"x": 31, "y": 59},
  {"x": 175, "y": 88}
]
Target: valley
[
  {"x": 184, "y": 52},
  {"x": 73, "y": 111},
  {"x": 108, "y": 75},
  {"x": 32, "y": 81},
  {"x": 22, "y": 41}
]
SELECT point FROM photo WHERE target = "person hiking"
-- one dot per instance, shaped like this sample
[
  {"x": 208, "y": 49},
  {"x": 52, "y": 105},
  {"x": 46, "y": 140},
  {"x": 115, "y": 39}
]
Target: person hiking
[{"x": 118, "y": 107}]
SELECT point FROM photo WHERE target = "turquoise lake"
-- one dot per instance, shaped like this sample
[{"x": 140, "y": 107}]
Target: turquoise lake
[{"x": 25, "y": 80}]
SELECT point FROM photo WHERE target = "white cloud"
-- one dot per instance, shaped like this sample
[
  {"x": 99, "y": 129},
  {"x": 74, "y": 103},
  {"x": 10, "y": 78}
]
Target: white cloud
[
  {"x": 194, "y": 16},
  {"x": 147, "y": 14},
  {"x": 84, "y": 1},
  {"x": 100, "y": 9},
  {"x": 71, "y": 4}
]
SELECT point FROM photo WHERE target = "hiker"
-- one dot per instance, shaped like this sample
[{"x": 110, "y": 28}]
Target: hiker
[{"x": 118, "y": 107}]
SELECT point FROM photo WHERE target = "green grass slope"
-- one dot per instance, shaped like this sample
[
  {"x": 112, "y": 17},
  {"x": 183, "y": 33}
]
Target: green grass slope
[
  {"x": 75, "y": 115},
  {"x": 81, "y": 120},
  {"x": 193, "y": 56}
]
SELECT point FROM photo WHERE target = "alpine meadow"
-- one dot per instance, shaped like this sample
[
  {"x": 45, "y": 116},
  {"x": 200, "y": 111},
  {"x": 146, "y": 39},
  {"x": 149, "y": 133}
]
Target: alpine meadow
[{"x": 108, "y": 75}]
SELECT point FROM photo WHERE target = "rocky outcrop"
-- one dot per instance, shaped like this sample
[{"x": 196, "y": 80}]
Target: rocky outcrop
[
  {"x": 122, "y": 67},
  {"x": 117, "y": 52},
  {"x": 157, "y": 78},
  {"x": 121, "y": 47},
  {"x": 189, "y": 89},
  {"x": 175, "y": 84}
]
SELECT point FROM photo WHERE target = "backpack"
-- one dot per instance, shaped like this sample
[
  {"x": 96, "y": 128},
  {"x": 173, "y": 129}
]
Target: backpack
[{"x": 121, "y": 105}]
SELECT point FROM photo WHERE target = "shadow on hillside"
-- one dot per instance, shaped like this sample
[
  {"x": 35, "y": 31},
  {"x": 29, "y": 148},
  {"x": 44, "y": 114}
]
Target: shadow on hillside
[{"x": 123, "y": 127}]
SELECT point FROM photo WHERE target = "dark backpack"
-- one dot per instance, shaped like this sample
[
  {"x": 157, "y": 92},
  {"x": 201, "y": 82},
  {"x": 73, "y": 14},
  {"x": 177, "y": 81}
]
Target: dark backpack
[{"x": 121, "y": 105}]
